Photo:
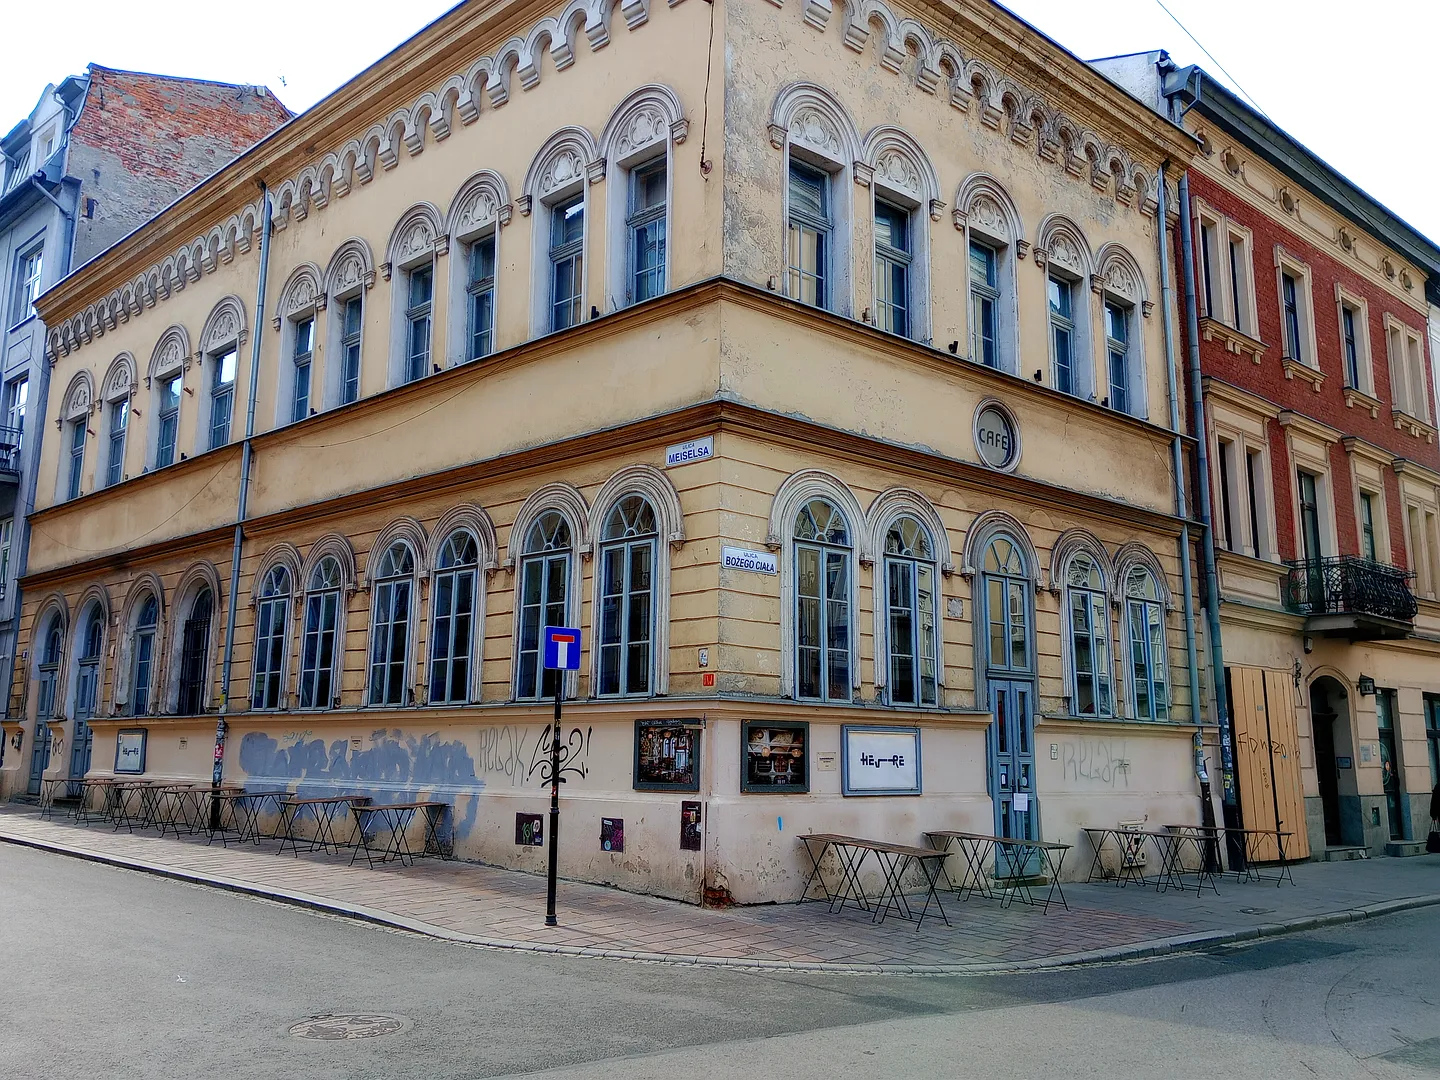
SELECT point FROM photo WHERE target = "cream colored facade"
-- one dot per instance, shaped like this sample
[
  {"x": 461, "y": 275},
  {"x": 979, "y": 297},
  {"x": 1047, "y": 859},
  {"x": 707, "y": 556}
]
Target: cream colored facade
[{"x": 489, "y": 125}]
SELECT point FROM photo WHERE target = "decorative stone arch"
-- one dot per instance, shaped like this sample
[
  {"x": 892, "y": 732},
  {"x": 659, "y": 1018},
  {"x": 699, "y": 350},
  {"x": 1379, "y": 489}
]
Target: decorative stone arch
[
  {"x": 984, "y": 529},
  {"x": 480, "y": 209},
  {"x": 1119, "y": 273},
  {"x": 351, "y": 269},
  {"x": 986, "y": 214},
  {"x": 337, "y": 547},
  {"x": 1135, "y": 554},
  {"x": 418, "y": 235},
  {"x": 655, "y": 488},
  {"x": 224, "y": 331},
  {"x": 302, "y": 297},
  {"x": 896, "y": 168},
  {"x": 570, "y": 504},
  {"x": 565, "y": 166},
  {"x": 282, "y": 554},
  {"x": 349, "y": 275},
  {"x": 1118, "y": 278},
  {"x": 302, "y": 294},
  {"x": 645, "y": 127},
  {"x": 402, "y": 528},
  {"x": 1063, "y": 253},
  {"x": 144, "y": 586},
  {"x": 79, "y": 398},
  {"x": 808, "y": 123},
  {"x": 119, "y": 383},
  {"x": 1130, "y": 557},
  {"x": 53, "y": 611},
  {"x": 224, "y": 327},
  {"x": 795, "y": 491},
  {"x": 193, "y": 581},
  {"x": 889, "y": 506},
  {"x": 96, "y": 597},
  {"x": 472, "y": 519},
  {"x": 1061, "y": 242},
  {"x": 1067, "y": 546}
]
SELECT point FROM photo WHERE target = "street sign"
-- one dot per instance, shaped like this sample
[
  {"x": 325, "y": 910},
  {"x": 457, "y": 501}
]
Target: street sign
[{"x": 562, "y": 648}]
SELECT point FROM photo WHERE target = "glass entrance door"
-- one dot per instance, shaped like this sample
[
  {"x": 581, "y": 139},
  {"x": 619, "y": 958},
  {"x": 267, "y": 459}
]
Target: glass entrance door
[
  {"x": 1390, "y": 763},
  {"x": 1012, "y": 758}
]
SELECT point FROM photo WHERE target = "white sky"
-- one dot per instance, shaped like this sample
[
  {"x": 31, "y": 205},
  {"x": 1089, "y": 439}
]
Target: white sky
[{"x": 1352, "y": 82}]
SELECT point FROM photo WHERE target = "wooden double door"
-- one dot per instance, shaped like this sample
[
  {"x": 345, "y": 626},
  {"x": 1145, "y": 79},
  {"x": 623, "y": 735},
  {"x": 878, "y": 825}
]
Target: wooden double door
[{"x": 1267, "y": 759}]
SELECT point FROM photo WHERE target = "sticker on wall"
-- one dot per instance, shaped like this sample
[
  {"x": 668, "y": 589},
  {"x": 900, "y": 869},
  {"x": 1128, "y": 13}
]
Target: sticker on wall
[
  {"x": 689, "y": 826},
  {"x": 612, "y": 834},
  {"x": 529, "y": 830}
]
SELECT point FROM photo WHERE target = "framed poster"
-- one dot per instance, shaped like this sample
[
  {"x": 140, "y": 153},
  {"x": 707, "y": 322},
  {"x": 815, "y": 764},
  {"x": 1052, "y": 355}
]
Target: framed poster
[
  {"x": 530, "y": 830},
  {"x": 879, "y": 760},
  {"x": 775, "y": 756},
  {"x": 667, "y": 755},
  {"x": 612, "y": 834},
  {"x": 130, "y": 751}
]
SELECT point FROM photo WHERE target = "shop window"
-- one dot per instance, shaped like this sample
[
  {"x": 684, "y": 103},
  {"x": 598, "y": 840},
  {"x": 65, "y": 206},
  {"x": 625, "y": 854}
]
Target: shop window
[
  {"x": 667, "y": 755},
  {"x": 775, "y": 757}
]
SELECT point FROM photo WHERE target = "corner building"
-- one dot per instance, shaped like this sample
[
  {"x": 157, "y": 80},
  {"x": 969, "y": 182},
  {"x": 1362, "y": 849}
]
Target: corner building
[{"x": 810, "y": 361}]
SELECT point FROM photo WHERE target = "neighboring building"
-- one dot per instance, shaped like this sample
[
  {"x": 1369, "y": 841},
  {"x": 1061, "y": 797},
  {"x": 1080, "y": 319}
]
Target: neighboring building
[
  {"x": 812, "y": 367},
  {"x": 99, "y": 155},
  {"x": 1320, "y": 416}
]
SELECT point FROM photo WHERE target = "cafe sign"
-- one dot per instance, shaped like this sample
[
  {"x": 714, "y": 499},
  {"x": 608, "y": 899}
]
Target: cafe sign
[{"x": 997, "y": 436}]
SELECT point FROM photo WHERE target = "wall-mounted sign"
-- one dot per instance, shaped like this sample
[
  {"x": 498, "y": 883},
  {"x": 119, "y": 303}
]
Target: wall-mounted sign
[
  {"x": 530, "y": 830},
  {"x": 997, "y": 436},
  {"x": 879, "y": 760},
  {"x": 686, "y": 452},
  {"x": 757, "y": 562},
  {"x": 612, "y": 834},
  {"x": 1344, "y": 763},
  {"x": 130, "y": 751}
]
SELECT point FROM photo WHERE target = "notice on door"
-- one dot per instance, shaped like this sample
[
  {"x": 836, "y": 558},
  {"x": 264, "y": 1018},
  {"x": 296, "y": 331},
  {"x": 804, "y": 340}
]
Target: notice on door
[{"x": 879, "y": 760}]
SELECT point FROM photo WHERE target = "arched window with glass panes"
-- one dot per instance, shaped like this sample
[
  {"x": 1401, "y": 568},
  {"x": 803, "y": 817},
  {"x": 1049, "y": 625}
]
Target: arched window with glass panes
[
  {"x": 1089, "y": 629},
  {"x": 453, "y": 594},
  {"x": 626, "y": 624},
  {"x": 272, "y": 615},
  {"x": 911, "y": 622},
  {"x": 393, "y": 601},
  {"x": 1145, "y": 632},
  {"x": 823, "y": 554},
  {"x": 544, "y": 599},
  {"x": 142, "y": 656},
  {"x": 320, "y": 647}
]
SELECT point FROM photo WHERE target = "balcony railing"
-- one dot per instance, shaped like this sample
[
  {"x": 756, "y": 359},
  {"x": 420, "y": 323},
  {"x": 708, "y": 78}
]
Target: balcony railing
[
  {"x": 9, "y": 449},
  {"x": 1350, "y": 585}
]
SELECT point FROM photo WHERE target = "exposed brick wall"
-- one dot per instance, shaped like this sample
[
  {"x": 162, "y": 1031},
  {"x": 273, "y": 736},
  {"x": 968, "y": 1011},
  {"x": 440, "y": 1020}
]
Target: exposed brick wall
[
  {"x": 1267, "y": 379},
  {"x": 143, "y": 140}
]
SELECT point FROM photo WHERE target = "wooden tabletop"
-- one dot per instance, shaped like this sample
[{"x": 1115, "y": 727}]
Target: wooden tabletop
[
  {"x": 398, "y": 806},
  {"x": 327, "y": 799},
  {"x": 1050, "y": 845},
  {"x": 873, "y": 845}
]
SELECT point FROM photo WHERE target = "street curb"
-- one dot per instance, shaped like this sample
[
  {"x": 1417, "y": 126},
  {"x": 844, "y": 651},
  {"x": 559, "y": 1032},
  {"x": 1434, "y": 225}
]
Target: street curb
[{"x": 1135, "y": 951}]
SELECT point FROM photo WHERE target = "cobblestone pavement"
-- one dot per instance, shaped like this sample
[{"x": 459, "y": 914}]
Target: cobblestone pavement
[{"x": 502, "y": 907}]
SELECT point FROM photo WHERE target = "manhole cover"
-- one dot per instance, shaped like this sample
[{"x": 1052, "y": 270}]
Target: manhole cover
[
  {"x": 340, "y": 1026},
  {"x": 1256, "y": 910}
]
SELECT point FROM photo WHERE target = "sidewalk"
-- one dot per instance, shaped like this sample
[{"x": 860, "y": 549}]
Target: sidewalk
[{"x": 499, "y": 908}]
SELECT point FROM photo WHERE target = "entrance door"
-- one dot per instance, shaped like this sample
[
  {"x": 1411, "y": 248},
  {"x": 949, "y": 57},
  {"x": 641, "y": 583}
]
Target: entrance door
[
  {"x": 39, "y": 756},
  {"x": 1327, "y": 770},
  {"x": 1267, "y": 759},
  {"x": 1390, "y": 764},
  {"x": 1012, "y": 758},
  {"x": 85, "y": 691}
]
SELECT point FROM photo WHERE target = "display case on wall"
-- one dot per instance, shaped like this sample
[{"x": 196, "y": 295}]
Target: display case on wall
[
  {"x": 667, "y": 755},
  {"x": 775, "y": 756}
]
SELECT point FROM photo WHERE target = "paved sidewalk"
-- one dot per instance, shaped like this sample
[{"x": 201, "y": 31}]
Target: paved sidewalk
[{"x": 500, "y": 908}]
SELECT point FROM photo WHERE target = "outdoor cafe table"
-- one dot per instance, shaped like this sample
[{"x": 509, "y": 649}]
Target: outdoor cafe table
[
  {"x": 50, "y": 790},
  {"x": 982, "y": 851},
  {"x": 894, "y": 861},
  {"x": 106, "y": 786},
  {"x": 236, "y": 812},
  {"x": 1129, "y": 846},
  {"x": 325, "y": 811},
  {"x": 134, "y": 804},
  {"x": 393, "y": 820},
  {"x": 1250, "y": 841},
  {"x": 1170, "y": 845}
]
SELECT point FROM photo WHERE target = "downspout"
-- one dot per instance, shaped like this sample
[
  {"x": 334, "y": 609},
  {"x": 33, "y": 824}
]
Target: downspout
[
  {"x": 246, "y": 454},
  {"x": 1177, "y": 468}
]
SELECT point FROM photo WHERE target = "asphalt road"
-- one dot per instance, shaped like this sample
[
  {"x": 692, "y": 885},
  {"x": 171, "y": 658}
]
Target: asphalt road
[{"x": 109, "y": 973}]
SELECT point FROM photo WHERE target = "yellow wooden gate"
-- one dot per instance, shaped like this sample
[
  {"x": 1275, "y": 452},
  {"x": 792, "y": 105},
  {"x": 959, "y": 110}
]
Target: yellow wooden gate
[{"x": 1267, "y": 760}]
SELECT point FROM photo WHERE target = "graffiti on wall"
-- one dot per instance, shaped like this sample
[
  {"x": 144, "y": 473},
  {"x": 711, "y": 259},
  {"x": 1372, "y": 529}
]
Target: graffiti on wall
[
  {"x": 1102, "y": 762},
  {"x": 520, "y": 756}
]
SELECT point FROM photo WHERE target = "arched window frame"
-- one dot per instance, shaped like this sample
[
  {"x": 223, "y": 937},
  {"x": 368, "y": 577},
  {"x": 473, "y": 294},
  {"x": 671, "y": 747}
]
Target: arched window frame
[
  {"x": 479, "y": 214},
  {"x": 75, "y": 409},
  {"x": 168, "y": 365},
  {"x": 474, "y": 522},
  {"x": 195, "y": 580},
  {"x": 796, "y": 491},
  {"x": 53, "y": 618},
  {"x": 302, "y": 298},
  {"x": 224, "y": 333},
  {"x": 416, "y": 244},
  {"x": 1121, "y": 282},
  {"x": 570, "y": 504},
  {"x": 94, "y": 608},
  {"x": 899, "y": 173},
  {"x": 337, "y": 548},
  {"x": 654, "y": 486},
  {"x": 116, "y": 392},
  {"x": 983, "y": 530},
  {"x": 273, "y": 602},
  {"x": 1063, "y": 253},
  {"x": 1131, "y": 559},
  {"x": 986, "y": 215},
  {"x": 409, "y": 533},
  {"x": 810, "y": 126},
  {"x": 1073, "y": 545},
  {"x": 143, "y": 588},
  {"x": 563, "y": 170},
  {"x": 643, "y": 130},
  {"x": 885, "y": 511},
  {"x": 349, "y": 278}
]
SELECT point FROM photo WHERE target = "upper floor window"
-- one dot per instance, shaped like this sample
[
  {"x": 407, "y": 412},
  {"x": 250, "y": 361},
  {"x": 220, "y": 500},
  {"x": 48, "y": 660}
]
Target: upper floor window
[
  {"x": 1308, "y": 487},
  {"x": 272, "y": 614},
  {"x": 480, "y": 294},
  {"x": 29, "y": 271},
  {"x": 645, "y": 230},
  {"x": 1007, "y": 594},
  {"x": 984, "y": 304},
  {"x": 421, "y": 290},
  {"x": 119, "y": 423},
  {"x": 350, "y": 324},
  {"x": 1145, "y": 629},
  {"x": 1368, "y": 547},
  {"x": 76, "y": 464},
  {"x": 453, "y": 613},
  {"x": 7, "y": 537},
  {"x": 322, "y": 645},
  {"x": 17, "y": 396},
  {"x": 49, "y": 669},
  {"x": 1226, "y": 279},
  {"x": 142, "y": 656},
  {"x": 893, "y": 252},
  {"x": 822, "y": 602},
  {"x": 393, "y": 590},
  {"x": 1350, "y": 337},
  {"x": 543, "y": 600},
  {"x": 627, "y": 598},
  {"x": 1290, "y": 303},
  {"x": 808, "y": 234},
  {"x": 222, "y": 397},
  {"x": 90, "y": 646},
  {"x": 1062, "y": 334},
  {"x": 1297, "y": 321},
  {"x": 1089, "y": 626},
  {"x": 567, "y": 262},
  {"x": 912, "y": 630},
  {"x": 304, "y": 353},
  {"x": 167, "y": 419},
  {"x": 1117, "y": 349},
  {"x": 1409, "y": 386}
]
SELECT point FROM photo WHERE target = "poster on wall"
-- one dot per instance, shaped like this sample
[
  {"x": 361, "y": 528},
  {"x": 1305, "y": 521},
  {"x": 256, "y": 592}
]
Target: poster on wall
[
  {"x": 612, "y": 834},
  {"x": 689, "y": 826},
  {"x": 529, "y": 830},
  {"x": 667, "y": 755},
  {"x": 130, "y": 751},
  {"x": 879, "y": 760}
]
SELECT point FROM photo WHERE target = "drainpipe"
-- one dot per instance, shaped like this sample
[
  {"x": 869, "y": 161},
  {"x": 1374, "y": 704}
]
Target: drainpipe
[
  {"x": 246, "y": 454},
  {"x": 1177, "y": 464}
]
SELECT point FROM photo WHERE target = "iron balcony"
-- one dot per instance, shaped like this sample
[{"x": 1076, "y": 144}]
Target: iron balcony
[{"x": 1352, "y": 597}]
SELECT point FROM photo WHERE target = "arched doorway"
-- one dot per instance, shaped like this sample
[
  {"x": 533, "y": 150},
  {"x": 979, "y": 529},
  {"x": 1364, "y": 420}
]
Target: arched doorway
[
  {"x": 1334, "y": 743},
  {"x": 1008, "y": 605}
]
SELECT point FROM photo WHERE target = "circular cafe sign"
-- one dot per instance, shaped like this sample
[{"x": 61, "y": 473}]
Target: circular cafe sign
[{"x": 997, "y": 439}]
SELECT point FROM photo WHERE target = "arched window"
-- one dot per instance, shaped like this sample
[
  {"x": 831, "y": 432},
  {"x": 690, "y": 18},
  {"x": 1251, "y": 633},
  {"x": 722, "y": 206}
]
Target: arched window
[
  {"x": 393, "y": 590},
  {"x": 1145, "y": 631},
  {"x": 557, "y": 195},
  {"x": 1007, "y": 607},
  {"x": 822, "y": 602},
  {"x": 452, "y": 633},
  {"x": 142, "y": 652},
  {"x": 220, "y": 343},
  {"x": 995, "y": 241},
  {"x": 350, "y": 274},
  {"x": 319, "y": 653},
  {"x": 627, "y": 600},
  {"x": 910, "y": 599},
  {"x": 272, "y": 613},
  {"x": 166, "y": 378},
  {"x": 906, "y": 193},
  {"x": 47, "y": 685},
  {"x": 1090, "y": 687},
  {"x": 194, "y": 655},
  {"x": 544, "y": 599},
  {"x": 478, "y": 214},
  {"x": 91, "y": 646},
  {"x": 1062, "y": 251}
]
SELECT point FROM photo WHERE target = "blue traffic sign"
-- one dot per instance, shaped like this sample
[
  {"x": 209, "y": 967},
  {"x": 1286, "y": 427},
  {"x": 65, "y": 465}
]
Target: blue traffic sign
[{"x": 562, "y": 648}]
